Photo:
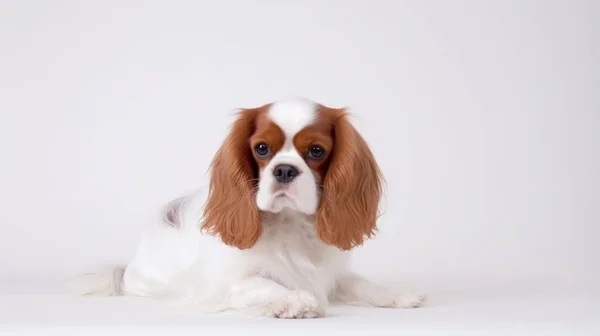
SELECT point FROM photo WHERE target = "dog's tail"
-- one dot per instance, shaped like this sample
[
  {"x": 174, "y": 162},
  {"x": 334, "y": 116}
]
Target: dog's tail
[{"x": 101, "y": 281}]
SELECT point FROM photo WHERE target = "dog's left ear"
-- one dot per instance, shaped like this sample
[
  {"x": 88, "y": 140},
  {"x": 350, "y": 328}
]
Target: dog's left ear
[{"x": 352, "y": 189}]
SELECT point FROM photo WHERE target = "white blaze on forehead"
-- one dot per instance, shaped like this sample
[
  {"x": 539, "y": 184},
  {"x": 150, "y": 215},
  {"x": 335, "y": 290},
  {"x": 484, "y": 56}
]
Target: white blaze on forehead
[{"x": 292, "y": 115}]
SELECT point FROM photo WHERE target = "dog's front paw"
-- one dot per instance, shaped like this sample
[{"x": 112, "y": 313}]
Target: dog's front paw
[
  {"x": 297, "y": 305},
  {"x": 409, "y": 300}
]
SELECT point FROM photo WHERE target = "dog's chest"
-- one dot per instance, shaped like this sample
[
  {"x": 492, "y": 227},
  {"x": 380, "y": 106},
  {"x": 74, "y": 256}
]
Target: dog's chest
[
  {"x": 291, "y": 239},
  {"x": 290, "y": 252}
]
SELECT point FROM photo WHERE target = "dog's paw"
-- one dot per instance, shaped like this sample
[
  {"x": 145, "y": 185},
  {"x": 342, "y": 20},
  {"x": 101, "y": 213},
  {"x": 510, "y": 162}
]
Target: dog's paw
[
  {"x": 297, "y": 305},
  {"x": 409, "y": 300}
]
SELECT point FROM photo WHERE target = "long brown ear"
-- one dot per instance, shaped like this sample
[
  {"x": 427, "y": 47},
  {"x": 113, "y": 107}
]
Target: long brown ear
[
  {"x": 230, "y": 211},
  {"x": 352, "y": 189}
]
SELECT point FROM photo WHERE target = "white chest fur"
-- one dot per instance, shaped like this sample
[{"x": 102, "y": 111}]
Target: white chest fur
[{"x": 290, "y": 253}]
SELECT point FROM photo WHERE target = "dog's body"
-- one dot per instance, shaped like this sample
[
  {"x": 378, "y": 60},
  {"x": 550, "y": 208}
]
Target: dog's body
[{"x": 265, "y": 240}]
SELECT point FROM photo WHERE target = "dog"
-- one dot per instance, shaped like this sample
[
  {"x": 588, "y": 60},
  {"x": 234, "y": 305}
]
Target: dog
[{"x": 293, "y": 189}]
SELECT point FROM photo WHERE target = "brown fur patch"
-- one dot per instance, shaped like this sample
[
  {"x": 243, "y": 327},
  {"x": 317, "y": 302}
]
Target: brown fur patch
[
  {"x": 231, "y": 211},
  {"x": 352, "y": 186},
  {"x": 319, "y": 134},
  {"x": 269, "y": 133}
]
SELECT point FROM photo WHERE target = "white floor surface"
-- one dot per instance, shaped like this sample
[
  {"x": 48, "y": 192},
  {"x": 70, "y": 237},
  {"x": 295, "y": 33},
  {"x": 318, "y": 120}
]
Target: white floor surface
[{"x": 29, "y": 310}]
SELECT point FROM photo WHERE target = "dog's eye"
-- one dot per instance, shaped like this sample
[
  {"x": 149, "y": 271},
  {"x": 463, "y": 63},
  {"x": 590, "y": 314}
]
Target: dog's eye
[
  {"x": 262, "y": 151},
  {"x": 316, "y": 153}
]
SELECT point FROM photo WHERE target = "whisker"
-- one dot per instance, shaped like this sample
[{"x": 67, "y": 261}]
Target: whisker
[{"x": 252, "y": 192}]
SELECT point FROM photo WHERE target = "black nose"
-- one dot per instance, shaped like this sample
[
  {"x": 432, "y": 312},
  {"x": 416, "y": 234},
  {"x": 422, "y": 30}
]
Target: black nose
[{"x": 285, "y": 173}]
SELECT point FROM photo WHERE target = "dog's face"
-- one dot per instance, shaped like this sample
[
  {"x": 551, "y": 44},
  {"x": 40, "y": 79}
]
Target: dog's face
[
  {"x": 292, "y": 147},
  {"x": 296, "y": 155}
]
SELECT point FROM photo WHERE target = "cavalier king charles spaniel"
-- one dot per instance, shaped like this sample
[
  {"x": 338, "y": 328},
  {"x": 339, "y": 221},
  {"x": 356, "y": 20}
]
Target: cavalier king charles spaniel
[{"x": 293, "y": 189}]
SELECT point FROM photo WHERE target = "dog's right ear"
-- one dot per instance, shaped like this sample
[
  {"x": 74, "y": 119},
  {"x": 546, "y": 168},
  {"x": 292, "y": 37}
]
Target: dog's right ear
[{"x": 230, "y": 211}]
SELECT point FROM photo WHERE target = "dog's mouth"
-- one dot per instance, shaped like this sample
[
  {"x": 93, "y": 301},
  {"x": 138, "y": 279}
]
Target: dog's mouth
[
  {"x": 281, "y": 194},
  {"x": 281, "y": 190},
  {"x": 282, "y": 199}
]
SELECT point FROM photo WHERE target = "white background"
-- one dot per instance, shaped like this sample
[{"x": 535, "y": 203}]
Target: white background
[{"x": 484, "y": 116}]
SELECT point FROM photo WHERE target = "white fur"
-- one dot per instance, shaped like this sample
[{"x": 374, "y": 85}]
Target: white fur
[
  {"x": 292, "y": 115},
  {"x": 288, "y": 273}
]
